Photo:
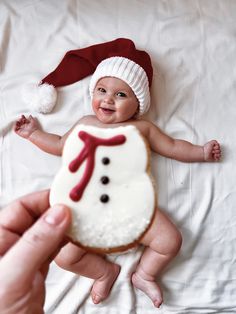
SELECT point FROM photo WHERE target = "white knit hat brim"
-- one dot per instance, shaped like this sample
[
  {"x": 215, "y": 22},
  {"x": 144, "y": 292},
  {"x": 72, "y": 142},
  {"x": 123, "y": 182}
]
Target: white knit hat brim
[{"x": 128, "y": 71}]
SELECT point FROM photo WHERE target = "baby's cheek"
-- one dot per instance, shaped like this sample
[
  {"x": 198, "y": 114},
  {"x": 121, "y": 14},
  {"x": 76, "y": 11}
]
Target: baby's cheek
[{"x": 95, "y": 104}]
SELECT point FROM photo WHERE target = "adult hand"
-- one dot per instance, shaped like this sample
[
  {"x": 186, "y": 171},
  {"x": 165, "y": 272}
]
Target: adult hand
[{"x": 30, "y": 235}]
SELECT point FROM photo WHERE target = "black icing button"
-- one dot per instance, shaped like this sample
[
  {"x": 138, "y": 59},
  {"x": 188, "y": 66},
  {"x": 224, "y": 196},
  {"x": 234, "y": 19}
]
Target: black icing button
[
  {"x": 105, "y": 160},
  {"x": 105, "y": 180},
  {"x": 104, "y": 198}
]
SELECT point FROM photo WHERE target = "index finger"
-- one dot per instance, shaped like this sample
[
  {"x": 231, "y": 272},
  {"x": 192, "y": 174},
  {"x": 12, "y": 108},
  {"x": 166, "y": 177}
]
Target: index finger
[
  {"x": 19, "y": 216},
  {"x": 23, "y": 212}
]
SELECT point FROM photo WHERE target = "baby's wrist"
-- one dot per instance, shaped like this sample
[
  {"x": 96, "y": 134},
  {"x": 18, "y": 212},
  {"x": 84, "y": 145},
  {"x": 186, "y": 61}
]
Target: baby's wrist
[
  {"x": 204, "y": 154},
  {"x": 32, "y": 135}
]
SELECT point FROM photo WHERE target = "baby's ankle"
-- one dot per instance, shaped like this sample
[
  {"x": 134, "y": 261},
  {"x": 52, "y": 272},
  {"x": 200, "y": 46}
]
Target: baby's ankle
[
  {"x": 142, "y": 274},
  {"x": 102, "y": 285},
  {"x": 149, "y": 287}
]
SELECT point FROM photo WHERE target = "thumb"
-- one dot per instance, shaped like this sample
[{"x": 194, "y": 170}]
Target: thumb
[{"x": 36, "y": 245}]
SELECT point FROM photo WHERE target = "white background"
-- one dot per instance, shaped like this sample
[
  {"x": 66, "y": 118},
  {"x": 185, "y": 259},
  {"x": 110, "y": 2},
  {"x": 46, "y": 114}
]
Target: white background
[{"x": 193, "y": 47}]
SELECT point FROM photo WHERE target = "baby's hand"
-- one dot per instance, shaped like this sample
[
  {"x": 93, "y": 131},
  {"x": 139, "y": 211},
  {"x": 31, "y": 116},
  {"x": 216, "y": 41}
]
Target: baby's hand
[
  {"x": 212, "y": 151},
  {"x": 25, "y": 127}
]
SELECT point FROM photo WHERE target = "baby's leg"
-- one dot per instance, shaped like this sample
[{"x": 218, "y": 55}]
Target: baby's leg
[
  {"x": 93, "y": 266},
  {"x": 163, "y": 242}
]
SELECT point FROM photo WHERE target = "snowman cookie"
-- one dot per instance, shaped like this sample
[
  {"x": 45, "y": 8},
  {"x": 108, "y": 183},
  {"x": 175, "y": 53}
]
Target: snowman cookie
[{"x": 105, "y": 180}]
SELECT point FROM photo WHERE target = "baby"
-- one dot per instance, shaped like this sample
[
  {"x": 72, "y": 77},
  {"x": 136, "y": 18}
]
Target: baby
[{"x": 120, "y": 95}]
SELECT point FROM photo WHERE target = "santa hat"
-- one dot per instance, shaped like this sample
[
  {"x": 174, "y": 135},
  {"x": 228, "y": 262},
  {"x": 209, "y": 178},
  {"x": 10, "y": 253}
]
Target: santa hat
[{"x": 118, "y": 58}]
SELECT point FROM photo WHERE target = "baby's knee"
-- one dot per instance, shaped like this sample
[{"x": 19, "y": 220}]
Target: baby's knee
[
  {"x": 176, "y": 242},
  {"x": 168, "y": 243}
]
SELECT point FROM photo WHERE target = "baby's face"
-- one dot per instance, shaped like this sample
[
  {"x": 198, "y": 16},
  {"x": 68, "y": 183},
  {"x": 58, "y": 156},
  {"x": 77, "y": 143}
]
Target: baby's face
[{"x": 114, "y": 101}]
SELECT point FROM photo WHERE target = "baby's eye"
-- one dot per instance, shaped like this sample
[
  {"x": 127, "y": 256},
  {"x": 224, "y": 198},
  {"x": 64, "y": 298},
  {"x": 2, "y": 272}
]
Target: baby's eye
[
  {"x": 121, "y": 94},
  {"x": 101, "y": 90}
]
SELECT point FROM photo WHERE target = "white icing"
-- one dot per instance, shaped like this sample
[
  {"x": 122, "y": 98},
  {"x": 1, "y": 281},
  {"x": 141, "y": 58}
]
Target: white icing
[{"x": 129, "y": 211}]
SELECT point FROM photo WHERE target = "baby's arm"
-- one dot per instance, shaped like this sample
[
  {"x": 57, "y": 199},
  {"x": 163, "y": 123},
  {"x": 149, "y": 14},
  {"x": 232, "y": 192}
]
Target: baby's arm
[
  {"x": 182, "y": 150},
  {"x": 30, "y": 129}
]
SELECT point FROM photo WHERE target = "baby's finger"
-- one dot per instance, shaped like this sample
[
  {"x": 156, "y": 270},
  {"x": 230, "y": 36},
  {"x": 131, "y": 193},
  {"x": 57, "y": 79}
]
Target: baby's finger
[
  {"x": 216, "y": 148},
  {"x": 24, "y": 120},
  {"x": 31, "y": 118},
  {"x": 217, "y": 156},
  {"x": 17, "y": 126}
]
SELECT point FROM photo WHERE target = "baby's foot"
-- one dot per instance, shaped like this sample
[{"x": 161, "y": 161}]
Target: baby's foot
[
  {"x": 149, "y": 287},
  {"x": 102, "y": 286}
]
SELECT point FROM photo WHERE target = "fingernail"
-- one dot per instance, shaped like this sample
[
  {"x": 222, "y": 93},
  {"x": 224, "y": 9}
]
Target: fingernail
[{"x": 55, "y": 215}]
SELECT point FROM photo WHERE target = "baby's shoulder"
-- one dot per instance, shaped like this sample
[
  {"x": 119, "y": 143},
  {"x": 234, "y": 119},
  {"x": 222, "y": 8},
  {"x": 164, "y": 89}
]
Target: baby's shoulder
[
  {"x": 143, "y": 126},
  {"x": 89, "y": 119}
]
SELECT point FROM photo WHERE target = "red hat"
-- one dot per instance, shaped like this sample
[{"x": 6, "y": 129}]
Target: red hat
[{"x": 118, "y": 58}]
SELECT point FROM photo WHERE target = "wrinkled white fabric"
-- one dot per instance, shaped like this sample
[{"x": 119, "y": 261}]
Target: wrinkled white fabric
[{"x": 193, "y": 47}]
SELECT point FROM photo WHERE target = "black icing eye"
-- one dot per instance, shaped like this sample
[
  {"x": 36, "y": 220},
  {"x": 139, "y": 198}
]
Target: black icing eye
[
  {"x": 105, "y": 160},
  {"x": 104, "y": 198},
  {"x": 105, "y": 180}
]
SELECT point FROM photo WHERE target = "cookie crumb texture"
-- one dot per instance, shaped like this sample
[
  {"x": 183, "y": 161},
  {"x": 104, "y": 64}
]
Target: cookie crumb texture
[{"x": 104, "y": 179}]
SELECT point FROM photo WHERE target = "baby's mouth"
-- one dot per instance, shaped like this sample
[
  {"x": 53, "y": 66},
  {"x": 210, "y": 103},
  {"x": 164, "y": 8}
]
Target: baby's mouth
[{"x": 107, "y": 110}]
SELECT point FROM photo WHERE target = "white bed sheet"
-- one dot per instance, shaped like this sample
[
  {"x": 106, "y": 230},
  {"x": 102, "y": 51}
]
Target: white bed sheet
[{"x": 193, "y": 47}]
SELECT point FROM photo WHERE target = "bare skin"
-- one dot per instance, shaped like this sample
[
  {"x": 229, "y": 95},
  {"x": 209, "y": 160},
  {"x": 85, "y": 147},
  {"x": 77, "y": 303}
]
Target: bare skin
[
  {"x": 114, "y": 104},
  {"x": 90, "y": 265}
]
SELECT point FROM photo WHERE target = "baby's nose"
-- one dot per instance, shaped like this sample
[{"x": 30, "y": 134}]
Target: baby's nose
[{"x": 109, "y": 99}]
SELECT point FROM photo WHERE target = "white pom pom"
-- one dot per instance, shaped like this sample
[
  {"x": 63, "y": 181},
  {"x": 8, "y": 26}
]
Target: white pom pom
[{"x": 41, "y": 98}]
